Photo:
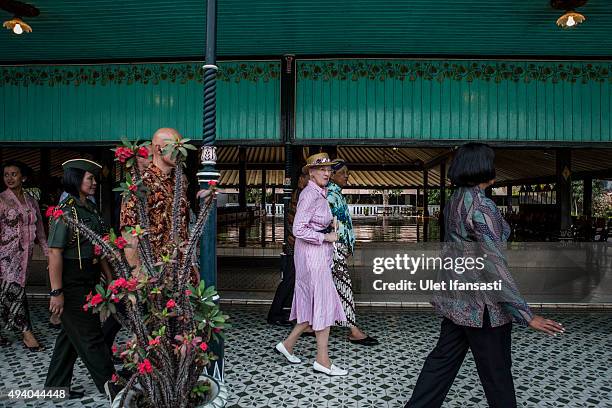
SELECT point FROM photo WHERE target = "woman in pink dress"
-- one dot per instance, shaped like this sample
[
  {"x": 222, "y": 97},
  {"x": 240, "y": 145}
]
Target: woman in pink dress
[
  {"x": 315, "y": 300},
  {"x": 21, "y": 226}
]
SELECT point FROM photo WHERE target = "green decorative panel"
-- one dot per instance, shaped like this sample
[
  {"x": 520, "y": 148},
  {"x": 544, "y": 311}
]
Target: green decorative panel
[
  {"x": 107, "y": 102},
  {"x": 454, "y": 100}
]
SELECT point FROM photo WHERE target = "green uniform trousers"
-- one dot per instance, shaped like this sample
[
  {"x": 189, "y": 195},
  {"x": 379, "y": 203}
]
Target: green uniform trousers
[{"x": 81, "y": 334}]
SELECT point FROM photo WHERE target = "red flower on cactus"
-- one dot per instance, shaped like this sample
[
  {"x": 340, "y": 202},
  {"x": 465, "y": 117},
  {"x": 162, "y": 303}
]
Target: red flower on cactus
[
  {"x": 212, "y": 183},
  {"x": 114, "y": 378},
  {"x": 203, "y": 346},
  {"x": 170, "y": 304},
  {"x": 154, "y": 342},
  {"x": 53, "y": 212},
  {"x": 96, "y": 299},
  {"x": 97, "y": 250},
  {"x": 143, "y": 152},
  {"x": 114, "y": 298},
  {"x": 130, "y": 285},
  {"x": 114, "y": 349},
  {"x": 133, "y": 188},
  {"x": 106, "y": 238},
  {"x": 120, "y": 242},
  {"x": 123, "y": 154},
  {"x": 145, "y": 367},
  {"x": 117, "y": 284},
  {"x": 187, "y": 292},
  {"x": 88, "y": 297},
  {"x": 85, "y": 307}
]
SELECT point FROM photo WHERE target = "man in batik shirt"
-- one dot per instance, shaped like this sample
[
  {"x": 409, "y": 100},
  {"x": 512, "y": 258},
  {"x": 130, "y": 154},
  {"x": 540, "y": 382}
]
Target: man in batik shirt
[
  {"x": 343, "y": 249},
  {"x": 158, "y": 178}
]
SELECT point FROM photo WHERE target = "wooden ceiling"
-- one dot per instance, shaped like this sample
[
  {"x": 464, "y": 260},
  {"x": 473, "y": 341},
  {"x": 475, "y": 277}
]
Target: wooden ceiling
[{"x": 76, "y": 30}]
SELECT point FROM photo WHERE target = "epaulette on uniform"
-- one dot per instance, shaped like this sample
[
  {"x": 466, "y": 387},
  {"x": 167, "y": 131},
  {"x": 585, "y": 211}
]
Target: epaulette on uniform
[{"x": 67, "y": 201}]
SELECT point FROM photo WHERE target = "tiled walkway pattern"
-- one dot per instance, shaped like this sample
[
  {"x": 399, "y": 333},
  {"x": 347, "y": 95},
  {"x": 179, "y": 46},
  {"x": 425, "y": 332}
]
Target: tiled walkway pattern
[{"x": 572, "y": 370}]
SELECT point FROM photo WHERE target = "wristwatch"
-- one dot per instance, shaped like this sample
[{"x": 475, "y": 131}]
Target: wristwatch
[{"x": 56, "y": 292}]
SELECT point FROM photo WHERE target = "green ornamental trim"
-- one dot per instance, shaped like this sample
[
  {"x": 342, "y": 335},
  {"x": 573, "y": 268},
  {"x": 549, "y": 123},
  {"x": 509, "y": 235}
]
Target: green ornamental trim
[
  {"x": 467, "y": 71},
  {"x": 135, "y": 74}
]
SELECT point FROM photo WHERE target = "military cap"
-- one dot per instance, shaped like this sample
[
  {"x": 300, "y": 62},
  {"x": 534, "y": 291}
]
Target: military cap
[{"x": 83, "y": 164}]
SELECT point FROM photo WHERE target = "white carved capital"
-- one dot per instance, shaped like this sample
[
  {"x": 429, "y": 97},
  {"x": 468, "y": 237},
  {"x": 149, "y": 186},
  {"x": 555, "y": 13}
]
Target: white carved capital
[{"x": 208, "y": 155}]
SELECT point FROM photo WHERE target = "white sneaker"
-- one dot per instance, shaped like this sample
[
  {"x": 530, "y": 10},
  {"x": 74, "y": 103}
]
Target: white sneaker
[
  {"x": 280, "y": 347},
  {"x": 332, "y": 371}
]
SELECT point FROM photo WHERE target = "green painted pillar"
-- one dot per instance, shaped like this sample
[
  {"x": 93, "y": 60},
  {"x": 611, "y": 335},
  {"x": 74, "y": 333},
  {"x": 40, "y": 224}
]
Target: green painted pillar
[
  {"x": 242, "y": 178},
  {"x": 287, "y": 127},
  {"x": 425, "y": 205},
  {"x": 208, "y": 171},
  {"x": 587, "y": 198},
  {"x": 441, "y": 219},
  {"x": 564, "y": 189},
  {"x": 509, "y": 203}
]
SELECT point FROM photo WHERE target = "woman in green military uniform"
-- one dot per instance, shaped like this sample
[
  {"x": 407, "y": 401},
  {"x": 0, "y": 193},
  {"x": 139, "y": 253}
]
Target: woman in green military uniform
[{"x": 74, "y": 271}]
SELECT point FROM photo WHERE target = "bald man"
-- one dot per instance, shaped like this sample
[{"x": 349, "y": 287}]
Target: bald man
[{"x": 158, "y": 178}]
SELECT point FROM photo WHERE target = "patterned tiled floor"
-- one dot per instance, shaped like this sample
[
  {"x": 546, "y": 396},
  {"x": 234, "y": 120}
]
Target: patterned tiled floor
[{"x": 572, "y": 370}]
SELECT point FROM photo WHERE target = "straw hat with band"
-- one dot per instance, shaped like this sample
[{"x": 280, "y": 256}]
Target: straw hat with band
[{"x": 316, "y": 160}]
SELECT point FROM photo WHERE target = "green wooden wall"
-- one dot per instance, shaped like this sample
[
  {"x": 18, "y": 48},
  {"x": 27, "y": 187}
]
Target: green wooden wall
[
  {"x": 454, "y": 100},
  {"x": 107, "y": 102},
  {"x": 348, "y": 100}
]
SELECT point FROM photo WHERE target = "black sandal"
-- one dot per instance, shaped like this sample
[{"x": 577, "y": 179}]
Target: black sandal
[{"x": 366, "y": 341}]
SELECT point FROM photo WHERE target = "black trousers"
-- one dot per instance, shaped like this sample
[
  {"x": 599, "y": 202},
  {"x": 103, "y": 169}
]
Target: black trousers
[
  {"x": 110, "y": 328},
  {"x": 81, "y": 334},
  {"x": 284, "y": 292},
  {"x": 491, "y": 349}
]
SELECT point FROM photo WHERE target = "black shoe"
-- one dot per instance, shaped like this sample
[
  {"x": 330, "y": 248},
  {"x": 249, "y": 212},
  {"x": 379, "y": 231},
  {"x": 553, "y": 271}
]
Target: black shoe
[
  {"x": 366, "y": 341},
  {"x": 283, "y": 323},
  {"x": 75, "y": 394},
  {"x": 111, "y": 390}
]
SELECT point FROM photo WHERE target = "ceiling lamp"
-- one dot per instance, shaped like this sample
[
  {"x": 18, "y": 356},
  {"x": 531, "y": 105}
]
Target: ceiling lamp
[
  {"x": 17, "y": 25},
  {"x": 19, "y": 10},
  {"x": 571, "y": 18}
]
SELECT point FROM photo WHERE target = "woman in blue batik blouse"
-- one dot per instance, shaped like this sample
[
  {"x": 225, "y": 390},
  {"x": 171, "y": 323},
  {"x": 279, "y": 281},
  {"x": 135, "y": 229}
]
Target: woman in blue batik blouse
[
  {"x": 475, "y": 322},
  {"x": 343, "y": 249}
]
